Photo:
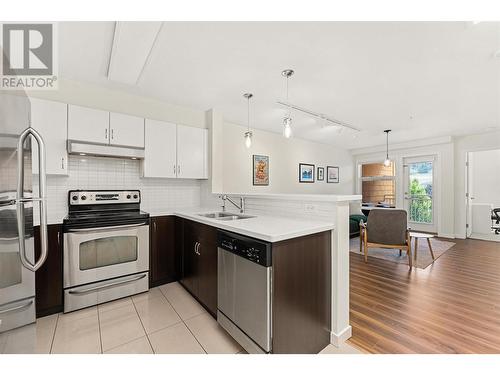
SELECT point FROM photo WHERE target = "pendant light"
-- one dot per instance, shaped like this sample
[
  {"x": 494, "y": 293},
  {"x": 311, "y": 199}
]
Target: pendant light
[
  {"x": 387, "y": 161},
  {"x": 248, "y": 133},
  {"x": 287, "y": 121}
]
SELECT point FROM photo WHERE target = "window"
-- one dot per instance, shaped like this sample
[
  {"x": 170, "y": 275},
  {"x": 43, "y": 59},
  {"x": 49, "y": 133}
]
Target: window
[{"x": 378, "y": 183}]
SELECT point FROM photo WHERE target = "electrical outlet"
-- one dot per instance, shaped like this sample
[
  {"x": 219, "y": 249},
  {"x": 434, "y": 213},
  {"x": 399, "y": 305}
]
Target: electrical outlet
[{"x": 310, "y": 207}]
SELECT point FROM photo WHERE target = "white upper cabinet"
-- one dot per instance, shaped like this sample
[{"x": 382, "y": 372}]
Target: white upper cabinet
[
  {"x": 160, "y": 152},
  {"x": 126, "y": 130},
  {"x": 174, "y": 151},
  {"x": 88, "y": 124},
  {"x": 191, "y": 152},
  {"x": 50, "y": 120}
]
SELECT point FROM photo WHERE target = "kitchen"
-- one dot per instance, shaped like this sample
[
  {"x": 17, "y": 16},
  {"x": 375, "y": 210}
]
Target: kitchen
[{"x": 133, "y": 196}]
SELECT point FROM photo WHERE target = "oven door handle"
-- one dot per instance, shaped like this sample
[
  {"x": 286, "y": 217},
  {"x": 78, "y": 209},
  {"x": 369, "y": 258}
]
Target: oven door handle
[
  {"x": 107, "y": 286},
  {"x": 105, "y": 228},
  {"x": 12, "y": 309}
]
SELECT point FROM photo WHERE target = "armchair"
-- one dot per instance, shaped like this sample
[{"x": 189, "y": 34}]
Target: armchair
[{"x": 388, "y": 229}]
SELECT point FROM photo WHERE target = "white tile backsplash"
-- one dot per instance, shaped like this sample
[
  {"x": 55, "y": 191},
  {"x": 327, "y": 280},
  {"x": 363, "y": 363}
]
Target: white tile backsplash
[{"x": 86, "y": 172}]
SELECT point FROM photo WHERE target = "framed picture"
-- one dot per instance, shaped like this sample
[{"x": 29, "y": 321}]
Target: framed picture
[
  {"x": 321, "y": 174},
  {"x": 260, "y": 170},
  {"x": 332, "y": 175},
  {"x": 306, "y": 172}
]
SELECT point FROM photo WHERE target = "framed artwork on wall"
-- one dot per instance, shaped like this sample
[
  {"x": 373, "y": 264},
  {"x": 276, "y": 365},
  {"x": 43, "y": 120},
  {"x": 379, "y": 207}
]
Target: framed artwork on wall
[
  {"x": 260, "y": 170},
  {"x": 306, "y": 172},
  {"x": 321, "y": 174},
  {"x": 332, "y": 175}
]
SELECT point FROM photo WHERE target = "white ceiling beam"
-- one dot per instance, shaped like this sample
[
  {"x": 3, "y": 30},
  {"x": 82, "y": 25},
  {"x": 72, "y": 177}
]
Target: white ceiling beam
[{"x": 132, "y": 45}]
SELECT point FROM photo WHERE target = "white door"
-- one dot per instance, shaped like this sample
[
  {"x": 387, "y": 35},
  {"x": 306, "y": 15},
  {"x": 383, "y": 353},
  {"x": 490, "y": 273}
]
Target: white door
[
  {"x": 469, "y": 196},
  {"x": 160, "y": 150},
  {"x": 50, "y": 120},
  {"x": 126, "y": 130},
  {"x": 419, "y": 193},
  {"x": 88, "y": 124},
  {"x": 191, "y": 152}
]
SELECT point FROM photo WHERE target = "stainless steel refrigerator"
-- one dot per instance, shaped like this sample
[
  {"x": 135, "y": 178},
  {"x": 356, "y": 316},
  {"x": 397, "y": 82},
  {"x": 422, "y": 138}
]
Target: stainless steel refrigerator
[{"x": 17, "y": 204}]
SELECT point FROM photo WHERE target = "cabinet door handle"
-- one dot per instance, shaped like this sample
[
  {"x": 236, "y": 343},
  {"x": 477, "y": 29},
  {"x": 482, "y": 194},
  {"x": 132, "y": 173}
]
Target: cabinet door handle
[
  {"x": 195, "y": 247},
  {"x": 62, "y": 162},
  {"x": 112, "y": 133},
  {"x": 174, "y": 169},
  {"x": 199, "y": 245},
  {"x": 154, "y": 225},
  {"x": 106, "y": 133},
  {"x": 178, "y": 170},
  {"x": 58, "y": 238}
]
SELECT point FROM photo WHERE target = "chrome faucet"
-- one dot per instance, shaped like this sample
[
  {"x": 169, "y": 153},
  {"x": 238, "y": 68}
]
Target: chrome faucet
[{"x": 240, "y": 207}]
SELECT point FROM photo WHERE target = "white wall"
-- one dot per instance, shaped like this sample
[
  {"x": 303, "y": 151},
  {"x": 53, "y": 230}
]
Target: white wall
[
  {"x": 485, "y": 176},
  {"x": 442, "y": 148},
  {"x": 284, "y": 158},
  {"x": 463, "y": 145}
]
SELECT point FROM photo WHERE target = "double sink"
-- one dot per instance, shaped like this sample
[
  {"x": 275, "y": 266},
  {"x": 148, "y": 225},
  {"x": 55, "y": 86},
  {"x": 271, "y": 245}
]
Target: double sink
[{"x": 226, "y": 216}]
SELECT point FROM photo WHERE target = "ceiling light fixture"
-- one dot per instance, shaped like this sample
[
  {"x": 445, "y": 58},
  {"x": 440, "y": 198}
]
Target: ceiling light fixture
[
  {"x": 387, "y": 161},
  {"x": 287, "y": 121},
  {"x": 248, "y": 133},
  {"x": 324, "y": 119}
]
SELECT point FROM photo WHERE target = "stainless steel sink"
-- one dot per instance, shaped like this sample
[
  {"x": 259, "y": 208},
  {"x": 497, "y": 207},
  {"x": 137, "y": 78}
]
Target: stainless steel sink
[{"x": 225, "y": 216}]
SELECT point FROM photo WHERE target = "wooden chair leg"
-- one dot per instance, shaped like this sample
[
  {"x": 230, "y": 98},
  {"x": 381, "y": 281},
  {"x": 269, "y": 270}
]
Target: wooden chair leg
[
  {"x": 416, "y": 247},
  {"x": 365, "y": 243},
  {"x": 408, "y": 250},
  {"x": 430, "y": 248},
  {"x": 361, "y": 241}
]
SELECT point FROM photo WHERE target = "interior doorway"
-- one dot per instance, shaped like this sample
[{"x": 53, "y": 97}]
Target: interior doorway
[{"x": 483, "y": 195}]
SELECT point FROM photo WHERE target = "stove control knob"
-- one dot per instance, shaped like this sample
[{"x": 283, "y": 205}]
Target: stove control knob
[
  {"x": 74, "y": 197},
  {"x": 129, "y": 196},
  {"x": 83, "y": 197},
  {"x": 136, "y": 196}
]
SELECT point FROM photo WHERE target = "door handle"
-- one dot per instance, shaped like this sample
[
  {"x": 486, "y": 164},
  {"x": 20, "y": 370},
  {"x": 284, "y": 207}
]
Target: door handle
[
  {"x": 198, "y": 249},
  {"x": 106, "y": 133},
  {"x": 174, "y": 169},
  {"x": 12, "y": 309},
  {"x": 42, "y": 188},
  {"x": 178, "y": 170},
  {"x": 112, "y": 133},
  {"x": 107, "y": 286}
]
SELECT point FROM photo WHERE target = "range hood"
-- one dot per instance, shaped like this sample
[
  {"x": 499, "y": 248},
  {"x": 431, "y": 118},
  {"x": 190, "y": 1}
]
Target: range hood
[{"x": 98, "y": 149}]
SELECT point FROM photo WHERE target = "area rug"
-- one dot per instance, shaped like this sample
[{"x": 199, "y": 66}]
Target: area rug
[{"x": 424, "y": 258}]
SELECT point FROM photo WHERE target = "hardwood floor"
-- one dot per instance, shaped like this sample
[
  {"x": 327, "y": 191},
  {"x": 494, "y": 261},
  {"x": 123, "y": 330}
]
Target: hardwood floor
[{"x": 453, "y": 306}]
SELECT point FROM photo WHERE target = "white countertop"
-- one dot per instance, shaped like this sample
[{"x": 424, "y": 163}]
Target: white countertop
[
  {"x": 299, "y": 197},
  {"x": 263, "y": 227}
]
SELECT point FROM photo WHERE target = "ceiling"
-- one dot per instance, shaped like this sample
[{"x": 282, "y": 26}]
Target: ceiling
[{"x": 421, "y": 79}]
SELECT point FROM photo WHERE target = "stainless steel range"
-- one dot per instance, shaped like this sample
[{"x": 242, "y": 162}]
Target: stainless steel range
[{"x": 106, "y": 247}]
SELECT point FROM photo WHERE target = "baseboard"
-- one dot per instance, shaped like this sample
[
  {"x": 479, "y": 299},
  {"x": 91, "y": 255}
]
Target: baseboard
[
  {"x": 344, "y": 335},
  {"x": 446, "y": 235}
]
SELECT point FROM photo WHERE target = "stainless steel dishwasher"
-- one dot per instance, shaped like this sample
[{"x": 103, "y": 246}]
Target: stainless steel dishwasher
[{"x": 244, "y": 290}]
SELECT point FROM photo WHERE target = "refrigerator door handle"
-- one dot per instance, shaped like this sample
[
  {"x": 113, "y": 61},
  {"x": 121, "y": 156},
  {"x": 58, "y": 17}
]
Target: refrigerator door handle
[{"x": 21, "y": 199}]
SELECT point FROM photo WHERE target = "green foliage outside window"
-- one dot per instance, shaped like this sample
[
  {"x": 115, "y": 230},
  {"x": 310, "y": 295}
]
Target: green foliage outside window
[{"x": 421, "y": 204}]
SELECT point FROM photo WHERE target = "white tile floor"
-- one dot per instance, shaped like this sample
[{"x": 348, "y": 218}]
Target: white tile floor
[{"x": 165, "y": 320}]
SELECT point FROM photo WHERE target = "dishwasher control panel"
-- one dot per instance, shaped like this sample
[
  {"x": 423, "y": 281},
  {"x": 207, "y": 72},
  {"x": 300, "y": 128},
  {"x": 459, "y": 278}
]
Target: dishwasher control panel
[{"x": 254, "y": 250}]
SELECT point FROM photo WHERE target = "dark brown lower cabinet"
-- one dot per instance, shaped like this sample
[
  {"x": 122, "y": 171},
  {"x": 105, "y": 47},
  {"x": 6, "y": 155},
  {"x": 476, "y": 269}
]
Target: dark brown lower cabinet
[
  {"x": 49, "y": 277},
  {"x": 165, "y": 255},
  {"x": 302, "y": 294},
  {"x": 199, "y": 263}
]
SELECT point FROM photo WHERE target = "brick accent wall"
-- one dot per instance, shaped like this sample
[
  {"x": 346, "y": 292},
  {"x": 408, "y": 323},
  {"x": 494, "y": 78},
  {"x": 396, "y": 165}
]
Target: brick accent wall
[{"x": 378, "y": 190}]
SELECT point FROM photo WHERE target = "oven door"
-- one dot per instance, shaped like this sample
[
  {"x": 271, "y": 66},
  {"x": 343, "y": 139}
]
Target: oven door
[{"x": 95, "y": 254}]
